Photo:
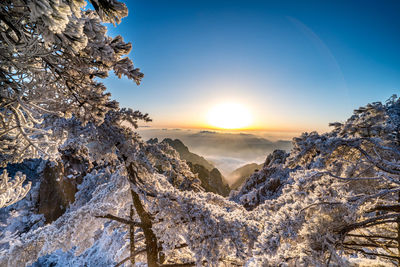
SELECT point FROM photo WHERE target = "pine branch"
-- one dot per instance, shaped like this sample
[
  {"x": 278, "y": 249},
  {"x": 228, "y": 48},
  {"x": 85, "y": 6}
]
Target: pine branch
[{"x": 119, "y": 219}]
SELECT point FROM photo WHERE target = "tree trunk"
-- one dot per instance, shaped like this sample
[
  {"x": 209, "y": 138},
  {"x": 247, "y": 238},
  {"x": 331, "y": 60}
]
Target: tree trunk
[
  {"x": 145, "y": 218},
  {"x": 398, "y": 235},
  {"x": 132, "y": 238},
  {"x": 150, "y": 237}
]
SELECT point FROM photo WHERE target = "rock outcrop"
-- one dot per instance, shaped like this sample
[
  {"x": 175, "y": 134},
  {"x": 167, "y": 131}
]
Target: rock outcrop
[{"x": 59, "y": 181}]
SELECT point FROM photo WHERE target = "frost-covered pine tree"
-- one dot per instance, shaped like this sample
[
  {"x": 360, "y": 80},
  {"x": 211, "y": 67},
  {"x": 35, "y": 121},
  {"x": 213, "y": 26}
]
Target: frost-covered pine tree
[
  {"x": 52, "y": 54},
  {"x": 334, "y": 200}
]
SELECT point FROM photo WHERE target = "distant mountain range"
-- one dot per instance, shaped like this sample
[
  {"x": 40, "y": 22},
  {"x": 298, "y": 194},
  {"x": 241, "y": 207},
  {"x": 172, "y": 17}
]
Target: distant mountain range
[{"x": 243, "y": 146}]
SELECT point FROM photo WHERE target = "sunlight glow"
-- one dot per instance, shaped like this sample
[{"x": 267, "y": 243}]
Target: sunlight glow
[{"x": 229, "y": 116}]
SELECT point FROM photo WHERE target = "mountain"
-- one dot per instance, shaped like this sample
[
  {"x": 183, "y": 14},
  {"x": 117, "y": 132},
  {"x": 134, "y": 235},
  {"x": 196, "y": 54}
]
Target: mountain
[
  {"x": 211, "y": 181},
  {"x": 210, "y": 177},
  {"x": 244, "y": 147},
  {"x": 187, "y": 155},
  {"x": 265, "y": 183},
  {"x": 241, "y": 174}
]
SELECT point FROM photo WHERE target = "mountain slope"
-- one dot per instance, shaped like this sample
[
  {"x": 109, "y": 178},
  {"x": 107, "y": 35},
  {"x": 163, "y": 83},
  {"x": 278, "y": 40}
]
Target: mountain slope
[
  {"x": 210, "y": 177},
  {"x": 241, "y": 174},
  {"x": 211, "y": 181},
  {"x": 187, "y": 155}
]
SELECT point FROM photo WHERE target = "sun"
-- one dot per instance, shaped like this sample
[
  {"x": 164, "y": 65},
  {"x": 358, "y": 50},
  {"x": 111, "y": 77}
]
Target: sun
[{"x": 229, "y": 116}]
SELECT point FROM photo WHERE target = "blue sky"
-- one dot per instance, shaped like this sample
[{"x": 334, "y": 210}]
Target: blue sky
[{"x": 296, "y": 65}]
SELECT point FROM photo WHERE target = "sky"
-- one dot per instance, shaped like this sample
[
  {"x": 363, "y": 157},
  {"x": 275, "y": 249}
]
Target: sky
[{"x": 293, "y": 65}]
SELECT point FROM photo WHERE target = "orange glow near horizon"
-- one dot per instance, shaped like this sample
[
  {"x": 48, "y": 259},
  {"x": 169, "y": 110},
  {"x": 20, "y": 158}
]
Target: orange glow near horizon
[
  {"x": 229, "y": 116},
  {"x": 252, "y": 128}
]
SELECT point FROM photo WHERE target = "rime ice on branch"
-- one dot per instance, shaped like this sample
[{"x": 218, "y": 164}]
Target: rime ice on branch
[
  {"x": 11, "y": 190},
  {"x": 51, "y": 54}
]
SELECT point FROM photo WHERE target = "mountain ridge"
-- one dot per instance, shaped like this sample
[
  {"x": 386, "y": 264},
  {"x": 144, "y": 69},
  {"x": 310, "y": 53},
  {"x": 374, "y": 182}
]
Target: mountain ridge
[
  {"x": 241, "y": 174},
  {"x": 210, "y": 177}
]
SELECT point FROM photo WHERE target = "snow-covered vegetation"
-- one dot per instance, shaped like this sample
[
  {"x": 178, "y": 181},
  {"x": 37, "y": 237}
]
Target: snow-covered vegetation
[
  {"x": 12, "y": 191},
  {"x": 335, "y": 198},
  {"x": 332, "y": 201}
]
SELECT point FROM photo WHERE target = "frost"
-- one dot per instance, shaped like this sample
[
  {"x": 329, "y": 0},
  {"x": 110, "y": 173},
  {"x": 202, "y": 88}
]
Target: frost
[{"x": 12, "y": 191}]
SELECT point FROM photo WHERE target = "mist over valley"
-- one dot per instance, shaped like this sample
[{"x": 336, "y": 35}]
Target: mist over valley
[{"x": 226, "y": 151}]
